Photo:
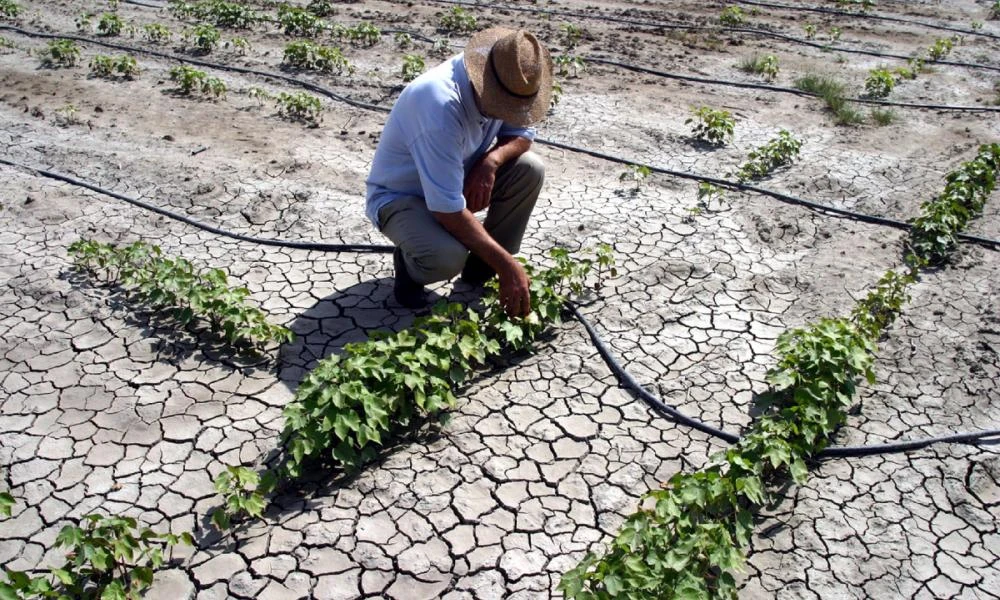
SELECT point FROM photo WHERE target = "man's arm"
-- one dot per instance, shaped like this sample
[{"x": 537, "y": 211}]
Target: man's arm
[
  {"x": 482, "y": 175},
  {"x": 515, "y": 296}
]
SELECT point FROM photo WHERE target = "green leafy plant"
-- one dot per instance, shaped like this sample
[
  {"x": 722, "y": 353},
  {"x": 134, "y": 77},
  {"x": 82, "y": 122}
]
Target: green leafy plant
[
  {"x": 203, "y": 37},
  {"x": 413, "y": 66},
  {"x": 995, "y": 10},
  {"x": 732, "y": 16},
  {"x": 458, "y": 20},
  {"x": 322, "y": 8},
  {"x": 299, "y": 106},
  {"x": 176, "y": 286},
  {"x": 569, "y": 66},
  {"x": 156, "y": 33},
  {"x": 557, "y": 92},
  {"x": 766, "y": 65},
  {"x": 108, "y": 558},
  {"x": 440, "y": 48},
  {"x": 239, "y": 44},
  {"x": 714, "y": 126},
  {"x": 708, "y": 192},
  {"x": 976, "y": 25},
  {"x": 61, "y": 53},
  {"x": 810, "y": 30},
  {"x": 295, "y": 20},
  {"x": 362, "y": 34},
  {"x": 883, "y": 116},
  {"x": 7, "y": 503},
  {"x": 68, "y": 115},
  {"x": 403, "y": 40},
  {"x": 243, "y": 494},
  {"x": 776, "y": 153},
  {"x": 933, "y": 234},
  {"x": 571, "y": 34},
  {"x": 110, "y": 25},
  {"x": 831, "y": 92},
  {"x": 637, "y": 174},
  {"x": 9, "y": 9},
  {"x": 350, "y": 404},
  {"x": 313, "y": 57},
  {"x": 835, "y": 33},
  {"x": 109, "y": 67},
  {"x": 879, "y": 83},
  {"x": 234, "y": 15},
  {"x": 260, "y": 95},
  {"x": 191, "y": 81},
  {"x": 941, "y": 48}
]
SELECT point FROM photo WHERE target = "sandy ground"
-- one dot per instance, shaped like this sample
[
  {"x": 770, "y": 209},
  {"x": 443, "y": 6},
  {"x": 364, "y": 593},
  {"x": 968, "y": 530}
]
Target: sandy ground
[{"x": 105, "y": 408}]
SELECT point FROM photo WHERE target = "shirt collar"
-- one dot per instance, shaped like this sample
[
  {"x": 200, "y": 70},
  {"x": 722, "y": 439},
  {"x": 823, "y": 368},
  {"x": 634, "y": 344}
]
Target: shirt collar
[{"x": 466, "y": 92}]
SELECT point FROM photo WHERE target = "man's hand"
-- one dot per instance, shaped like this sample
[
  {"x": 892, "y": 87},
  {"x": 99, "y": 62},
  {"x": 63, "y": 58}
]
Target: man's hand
[
  {"x": 515, "y": 294},
  {"x": 479, "y": 183}
]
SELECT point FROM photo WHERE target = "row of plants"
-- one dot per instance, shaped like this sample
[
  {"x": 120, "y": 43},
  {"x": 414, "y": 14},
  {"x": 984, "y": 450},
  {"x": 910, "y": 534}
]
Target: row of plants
[
  {"x": 688, "y": 538},
  {"x": 176, "y": 286},
  {"x": 350, "y": 404}
]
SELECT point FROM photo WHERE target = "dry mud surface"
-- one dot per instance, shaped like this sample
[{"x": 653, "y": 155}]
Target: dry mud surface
[{"x": 103, "y": 408}]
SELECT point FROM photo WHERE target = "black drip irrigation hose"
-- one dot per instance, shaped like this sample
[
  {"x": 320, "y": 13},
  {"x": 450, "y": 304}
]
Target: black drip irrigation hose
[
  {"x": 781, "y": 89},
  {"x": 598, "y": 60},
  {"x": 624, "y": 378},
  {"x": 869, "y": 15},
  {"x": 678, "y": 26},
  {"x": 871, "y": 219},
  {"x": 789, "y": 199},
  {"x": 319, "y": 247}
]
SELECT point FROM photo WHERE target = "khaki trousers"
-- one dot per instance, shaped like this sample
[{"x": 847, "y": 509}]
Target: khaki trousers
[{"x": 432, "y": 254}]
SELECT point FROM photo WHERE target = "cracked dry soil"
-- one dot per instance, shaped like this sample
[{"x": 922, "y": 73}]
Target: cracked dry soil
[{"x": 103, "y": 408}]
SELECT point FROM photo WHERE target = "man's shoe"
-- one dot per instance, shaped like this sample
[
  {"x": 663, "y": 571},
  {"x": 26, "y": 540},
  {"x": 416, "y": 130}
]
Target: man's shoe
[
  {"x": 408, "y": 293},
  {"x": 476, "y": 272}
]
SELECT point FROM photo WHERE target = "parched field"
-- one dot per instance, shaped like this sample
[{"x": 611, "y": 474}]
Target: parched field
[{"x": 106, "y": 408}]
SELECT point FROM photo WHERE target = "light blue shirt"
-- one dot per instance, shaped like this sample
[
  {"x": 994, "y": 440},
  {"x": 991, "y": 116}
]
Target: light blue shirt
[{"x": 433, "y": 136}]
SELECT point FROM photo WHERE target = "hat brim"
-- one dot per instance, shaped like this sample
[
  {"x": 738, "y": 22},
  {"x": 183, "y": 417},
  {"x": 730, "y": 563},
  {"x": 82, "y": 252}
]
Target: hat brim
[{"x": 494, "y": 100}]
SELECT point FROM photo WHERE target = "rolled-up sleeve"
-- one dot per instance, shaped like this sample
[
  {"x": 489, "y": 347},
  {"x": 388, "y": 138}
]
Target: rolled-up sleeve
[
  {"x": 527, "y": 133},
  {"x": 438, "y": 157}
]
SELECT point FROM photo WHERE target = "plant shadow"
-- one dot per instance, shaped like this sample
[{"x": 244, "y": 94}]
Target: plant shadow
[{"x": 174, "y": 342}]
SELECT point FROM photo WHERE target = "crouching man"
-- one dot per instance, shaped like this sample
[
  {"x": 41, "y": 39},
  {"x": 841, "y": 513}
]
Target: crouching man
[{"x": 457, "y": 142}]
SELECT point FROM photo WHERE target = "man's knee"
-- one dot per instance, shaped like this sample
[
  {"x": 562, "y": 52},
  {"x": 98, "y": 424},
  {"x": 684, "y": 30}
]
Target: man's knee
[
  {"x": 531, "y": 167},
  {"x": 445, "y": 262}
]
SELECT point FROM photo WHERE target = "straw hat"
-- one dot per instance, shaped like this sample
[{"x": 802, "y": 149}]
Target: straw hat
[{"x": 511, "y": 73}]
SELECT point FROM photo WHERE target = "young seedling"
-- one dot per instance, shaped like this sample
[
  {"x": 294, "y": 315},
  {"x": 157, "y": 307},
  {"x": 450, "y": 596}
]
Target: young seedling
[
  {"x": 106, "y": 558},
  {"x": 9, "y": 9},
  {"x": 708, "y": 192},
  {"x": 243, "y": 492},
  {"x": 835, "y": 33},
  {"x": 995, "y": 10},
  {"x": 260, "y": 95},
  {"x": 440, "y": 48},
  {"x": 571, "y": 34},
  {"x": 7, "y": 503},
  {"x": 313, "y": 57},
  {"x": 458, "y": 20},
  {"x": 714, "y": 126},
  {"x": 776, "y": 153},
  {"x": 637, "y": 174},
  {"x": 239, "y": 44},
  {"x": 976, "y": 25},
  {"x": 61, "y": 53},
  {"x": 557, "y": 92},
  {"x": 731, "y": 16},
  {"x": 810, "y": 30},
  {"x": 879, "y": 83},
  {"x": 832, "y": 93},
  {"x": 364, "y": 34},
  {"x": 300, "y": 106},
  {"x": 941, "y": 48},
  {"x": 299, "y": 21},
  {"x": 156, "y": 33},
  {"x": 413, "y": 66},
  {"x": 190, "y": 81},
  {"x": 110, "y": 25},
  {"x": 203, "y": 37},
  {"x": 232, "y": 15},
  {"x": 108, "y": 67},
  {"x": 883, "y": 116},
  {"x": 403, "y": 40},
  {"x": 766, "y": 66},
  {"x": 322, "y": 8},
  {"x": 569, "y": 66},
  {"x": 68, "y": 115}
]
